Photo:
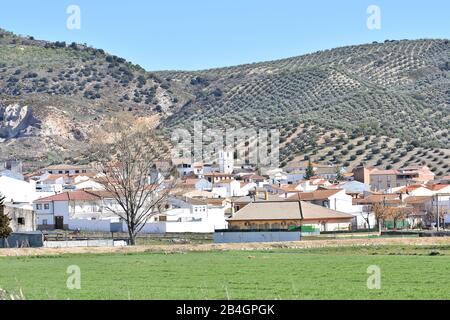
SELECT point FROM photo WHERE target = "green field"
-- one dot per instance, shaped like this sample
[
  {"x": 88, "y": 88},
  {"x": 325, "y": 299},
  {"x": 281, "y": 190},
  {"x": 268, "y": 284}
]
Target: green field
[{"x": 406, "y": 273}]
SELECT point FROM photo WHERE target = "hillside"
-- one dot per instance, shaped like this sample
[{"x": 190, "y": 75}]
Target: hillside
[
  {"x": 70, "y": 90},
  {"x": 385, "y": 104}
]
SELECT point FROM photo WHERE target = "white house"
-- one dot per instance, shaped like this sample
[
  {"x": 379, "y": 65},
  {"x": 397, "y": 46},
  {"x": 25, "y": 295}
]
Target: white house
[
  {"x": 277, "y": 176},
  {"x": 354, "y": 187},
  {"x": 58, "y": 211},
  {"x": 17, "y": 191},
  {"x": 226, "y": 161},
  {"x": 68, "y": 169},
  {"x": 295, "y": 177},
  {"x": 227, "y": 188},
  {"x": 81, "y": 183},
  {"x": 88, "y": 210},
  {"x": 413, "y": 190}
]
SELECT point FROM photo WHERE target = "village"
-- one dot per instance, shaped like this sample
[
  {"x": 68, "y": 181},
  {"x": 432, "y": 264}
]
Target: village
[{"x": 233, "y": 203}]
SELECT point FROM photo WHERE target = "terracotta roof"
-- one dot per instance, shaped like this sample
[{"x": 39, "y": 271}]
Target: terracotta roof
[
  {"x": 437, "y": 187},
  {"x": 53, "y": 177},
  {"x": 379, "y": 198},
  {"x": 287, "y": 210},
  {"x": 286, "y": 188},
  {"x": 191, "y": 181},
  {"x": 418, "y": 199},
  {"x": 215, "y": 201},
  {"x": 316, "y": 182},
  {"x": 410, "y": 188},
  {"x": 377, "y": 172},
  {"x": 225, "y": 181},
  {"x": 80, "y": 195},
  {"x": 196, "y": 202},
  {"x": 67, "y": 167},
  {"x": 315, "y": 195},
  {"x": 217, "y": 174}
]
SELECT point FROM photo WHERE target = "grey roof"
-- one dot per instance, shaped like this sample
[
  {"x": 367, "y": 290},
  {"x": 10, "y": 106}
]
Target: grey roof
[{"x": 287, "y": 210}]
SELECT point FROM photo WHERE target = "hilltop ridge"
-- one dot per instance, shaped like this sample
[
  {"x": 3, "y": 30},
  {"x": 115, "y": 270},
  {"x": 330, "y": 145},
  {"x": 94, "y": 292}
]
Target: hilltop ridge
[{"x": 385, "y": 104}]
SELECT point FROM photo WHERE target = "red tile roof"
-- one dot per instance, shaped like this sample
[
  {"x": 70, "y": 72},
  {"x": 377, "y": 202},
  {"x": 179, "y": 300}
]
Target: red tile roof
[
  {"x": 377, "y": 172},
  {"x": 315, "y": 195},
  {"x": 410, "y": 188},
  {"x": 80, "y": 195},
  {"x": 437, "y": 187}
]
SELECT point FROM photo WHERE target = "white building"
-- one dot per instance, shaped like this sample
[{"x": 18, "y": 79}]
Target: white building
[
  {"x": 22, "y": 216},
  {"x": 68, "y": 169},
  {"x": 226, "y": 162},
  {"x": 17, "y": 191},
  {"x": 58, "y": 211},
  {"x": 227, "y": 188},
  {"x": 87, "y": 210}
]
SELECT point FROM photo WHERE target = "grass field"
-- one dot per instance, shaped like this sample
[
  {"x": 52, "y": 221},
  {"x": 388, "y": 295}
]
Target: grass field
[{"x": 407, "y": 272}]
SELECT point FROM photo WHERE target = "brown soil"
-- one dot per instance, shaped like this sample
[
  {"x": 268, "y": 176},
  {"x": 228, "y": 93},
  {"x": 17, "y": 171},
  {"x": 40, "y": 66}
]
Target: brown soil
[{"x": 227, "y": 247}]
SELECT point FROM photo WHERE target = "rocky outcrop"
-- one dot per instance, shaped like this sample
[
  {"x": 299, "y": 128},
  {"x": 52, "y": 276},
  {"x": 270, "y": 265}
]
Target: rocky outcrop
[{"x": 14, "y": 119}]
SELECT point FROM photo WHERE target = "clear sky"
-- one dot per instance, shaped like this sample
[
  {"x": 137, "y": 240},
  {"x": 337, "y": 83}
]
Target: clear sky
[{"x": 199, "y": 34}]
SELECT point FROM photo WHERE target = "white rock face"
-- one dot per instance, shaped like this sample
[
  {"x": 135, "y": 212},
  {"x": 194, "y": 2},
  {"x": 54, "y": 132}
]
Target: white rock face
[{"x": 13, "y": 119}]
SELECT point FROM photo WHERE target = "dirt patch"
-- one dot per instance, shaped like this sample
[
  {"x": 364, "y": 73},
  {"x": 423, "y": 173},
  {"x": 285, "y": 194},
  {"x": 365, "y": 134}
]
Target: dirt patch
[{"x": 227, "y": 247}]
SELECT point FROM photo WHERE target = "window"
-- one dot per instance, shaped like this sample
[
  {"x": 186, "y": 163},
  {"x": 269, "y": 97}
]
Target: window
[
  {"x": 21, "y": 221},
  {"x": 46, "y": 206},
  {"x": 44, "y": 222},
  {"x": 39, "y": 207}
]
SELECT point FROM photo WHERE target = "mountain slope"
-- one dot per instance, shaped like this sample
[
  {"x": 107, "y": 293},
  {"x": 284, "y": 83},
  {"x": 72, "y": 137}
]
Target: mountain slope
[
  {"x": 395, "y": 90},
  {"x": 382, "y": 103}
]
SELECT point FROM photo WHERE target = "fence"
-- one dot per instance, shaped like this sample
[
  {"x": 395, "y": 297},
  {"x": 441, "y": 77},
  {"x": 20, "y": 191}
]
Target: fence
[
  {"x": 250, "y": 236},
  {"x": 23, "y": 240}
]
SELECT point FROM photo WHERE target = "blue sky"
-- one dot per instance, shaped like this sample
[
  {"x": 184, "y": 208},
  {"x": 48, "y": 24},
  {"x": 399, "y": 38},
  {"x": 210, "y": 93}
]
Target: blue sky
[{"x": 199, "y": 34}]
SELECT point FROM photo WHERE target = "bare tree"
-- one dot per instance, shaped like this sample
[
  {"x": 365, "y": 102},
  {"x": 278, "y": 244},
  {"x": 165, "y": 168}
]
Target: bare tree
[
  {"x": 366, "y": 214},
  {"x": 383, "y": 213},
  {"x": 135, "y": 171}
]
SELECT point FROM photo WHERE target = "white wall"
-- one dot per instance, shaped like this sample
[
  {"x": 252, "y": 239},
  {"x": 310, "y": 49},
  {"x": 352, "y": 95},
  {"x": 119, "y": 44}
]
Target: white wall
[
  {"x": 17, "y": 190},
  {"x": 61, "y": 209},
  {"x": 90, "y": 225},
  {"x": 214, "y": 220}
]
